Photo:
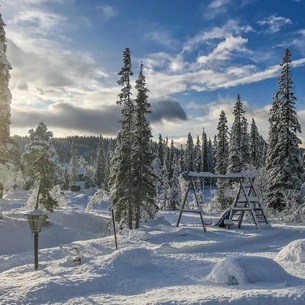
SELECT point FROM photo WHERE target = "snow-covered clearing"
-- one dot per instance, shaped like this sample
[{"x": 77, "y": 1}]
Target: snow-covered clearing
[{"x": 158, "y": 264}]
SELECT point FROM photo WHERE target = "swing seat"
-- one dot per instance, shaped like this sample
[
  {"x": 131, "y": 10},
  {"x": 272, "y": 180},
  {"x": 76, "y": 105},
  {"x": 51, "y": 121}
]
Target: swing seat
[
  {"x": 208, "y": 222},
  {"x": 228, "y": 222}
]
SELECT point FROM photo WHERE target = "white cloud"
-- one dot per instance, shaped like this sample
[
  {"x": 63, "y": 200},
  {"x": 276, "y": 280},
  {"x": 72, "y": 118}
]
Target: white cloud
[
  {"x": 107, "y": 11},
  {"x": 216, "y": 7},
  {"x": 274, "y": 23},
  {"x": 231, "y": 28},
  {"x": 224, "y": 50},
  {"x": 162, "y": 38}
]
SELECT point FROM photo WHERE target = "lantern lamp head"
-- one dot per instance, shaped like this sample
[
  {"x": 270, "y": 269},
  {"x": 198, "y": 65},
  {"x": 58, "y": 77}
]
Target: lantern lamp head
[{"x": 36, "y": 220}]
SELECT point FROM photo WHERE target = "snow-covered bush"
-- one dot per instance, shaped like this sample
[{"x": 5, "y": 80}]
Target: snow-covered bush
[{"x": 99, "y": 196}]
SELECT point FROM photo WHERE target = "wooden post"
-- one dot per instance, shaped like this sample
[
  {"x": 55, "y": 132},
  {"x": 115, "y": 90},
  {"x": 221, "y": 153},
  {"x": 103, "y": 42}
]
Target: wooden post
[{"x": 114, "y": 231}]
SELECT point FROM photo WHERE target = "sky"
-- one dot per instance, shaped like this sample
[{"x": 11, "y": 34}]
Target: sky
[
  {"x": 158, "y": 264},
  {"x": 197, "y": 56}
]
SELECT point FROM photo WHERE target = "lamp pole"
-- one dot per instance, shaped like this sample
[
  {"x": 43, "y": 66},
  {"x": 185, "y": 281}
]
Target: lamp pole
[
  {"x": 36, "y": 234},
  {"x": 36, "y": 219}
]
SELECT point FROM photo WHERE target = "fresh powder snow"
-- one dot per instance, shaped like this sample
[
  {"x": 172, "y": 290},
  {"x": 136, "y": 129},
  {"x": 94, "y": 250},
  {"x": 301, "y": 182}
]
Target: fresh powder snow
[{"x": 157, "y": 264}]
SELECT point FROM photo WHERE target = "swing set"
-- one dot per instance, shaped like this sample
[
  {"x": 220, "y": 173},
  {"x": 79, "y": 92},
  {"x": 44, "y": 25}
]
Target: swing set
[{"x": 246, "y": 201}]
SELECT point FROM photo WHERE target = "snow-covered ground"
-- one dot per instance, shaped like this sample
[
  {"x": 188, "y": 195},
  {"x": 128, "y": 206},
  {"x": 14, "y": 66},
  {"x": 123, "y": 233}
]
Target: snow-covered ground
[{"x": 158, "y": 264}]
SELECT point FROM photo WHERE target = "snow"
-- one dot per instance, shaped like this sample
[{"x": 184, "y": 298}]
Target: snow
[{"x": 157, "y": 264}]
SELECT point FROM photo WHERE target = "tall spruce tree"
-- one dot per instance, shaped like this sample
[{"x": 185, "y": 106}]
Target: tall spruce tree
[
  {"x": 198, "y": 156},
  {"x": 41, "y": 165},
  {"x": 189, "y": 153},
  {"x": 222, "y": 160},
  {"x": 222, "y": 151},
  {"x": 285, "y": 164},
  {"x": 235, "y": 151},
  {"x": 143, "y": 184},
  {"x": 73, "y": 164},
  {"x": 100, "y": 165},
  {"x": 255, "y": 146},
  {"x": 5, "y": 98},
  {"x": 245, "y": 143},
  {"x": 121, "y": 169},
  {"x": 204, "y": 141}
]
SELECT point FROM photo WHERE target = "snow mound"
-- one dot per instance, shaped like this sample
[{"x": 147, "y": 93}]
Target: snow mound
[
  {"x": 159, "y": 221},
  {"x": 137, "y": 258},
  {"x": 166, "y": 248},
  {"x": 248, "y": 270},
  {"x": 136, "y": 234},
  {"x": 294, "y": 252}
]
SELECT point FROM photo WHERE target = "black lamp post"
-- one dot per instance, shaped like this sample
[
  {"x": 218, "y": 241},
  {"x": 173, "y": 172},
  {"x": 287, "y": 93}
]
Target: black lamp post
[{"x": 36, "y": 219}]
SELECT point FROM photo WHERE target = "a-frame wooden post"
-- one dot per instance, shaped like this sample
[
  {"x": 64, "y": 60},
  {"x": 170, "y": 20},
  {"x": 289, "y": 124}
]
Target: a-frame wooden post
[
  {"x": 192, "y": 183},
  {"x": 247, "y": 201}
]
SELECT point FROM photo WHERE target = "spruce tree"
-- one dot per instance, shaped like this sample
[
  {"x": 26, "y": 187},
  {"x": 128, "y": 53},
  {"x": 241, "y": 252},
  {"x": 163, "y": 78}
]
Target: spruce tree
[
  {"x": 222, "y": 160},
  {"x": 100, "y": 165},
  {"x": 245, "y": 143},
  {"x": 222, "y": 151},
  {"x": 73, "y": 164},
  {"x": 204, "y": 141},
  {"x": 121, "y": 169},
  {"x": 235, "y": 151},
  {"x": 5, "y": 98},
  {"x": 142, "y": 170},
  {"x": 41, "y": 164},
  {"x": 255, "y": 146},
  {"x": 189, "y": 153},
  {"x": 198, "y": 156},
  {"x": 284, "y": 160}
]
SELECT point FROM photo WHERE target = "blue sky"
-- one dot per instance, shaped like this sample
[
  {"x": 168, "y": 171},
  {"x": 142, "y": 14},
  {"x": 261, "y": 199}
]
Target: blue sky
[{"x": 198, "y": 55}]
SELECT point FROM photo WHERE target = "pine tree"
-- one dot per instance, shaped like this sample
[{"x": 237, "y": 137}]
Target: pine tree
[
  {"x": 222, "y": 161},
  {"x": 5, "y": 98},
  {"x": 143, "y": 184},
  {"x": 235, "y": 156},
  {"x": 161, "y": 150},
  {"x": 204, "y": 141},
  {"x": 284, "y": 160},
  {"x": 73, "y": 164},
  {"x": 41, "y": 164},
  {"x": 245, "y": 143},
  {"x": 222, "y": 151},
  {"x": 255, "y": 146},
  {"x": 189, "y": 153},
  {"x": 198, "y": 156},
  {"x": 120, "y": 176},
  {"x": 100, "y": 166},
  {"x": 175, "y": 196}
]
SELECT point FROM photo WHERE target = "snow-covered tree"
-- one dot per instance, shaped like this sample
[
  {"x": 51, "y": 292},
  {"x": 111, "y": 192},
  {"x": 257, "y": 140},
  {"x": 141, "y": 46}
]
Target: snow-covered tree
[
  {"x": 189, "y": 153},
  {"x": 204, "y": 150},
  {"x": 100, "y": 166},
  {"x": 142, "y": 157},
  {"x": 40, "y": 148},
  {"x": 255, "y": 146},
  {"x": 175, "y": 193},
  {"x": 285, "y": 164},
  {"x": 222, "y": 162},
  {"x": 197, "y": 156},
  {"x": 235, "y": 151},
  {"x": 161, "y": 149},
  {"x": 245, "y": 143},
  {"x": 73, "y": 164},
  {"x": 222, "y": 150},
  {"x": 5, "y": 98},
  {"x": 121, "y": 164},
  {"x": 41, "y": 165}
]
